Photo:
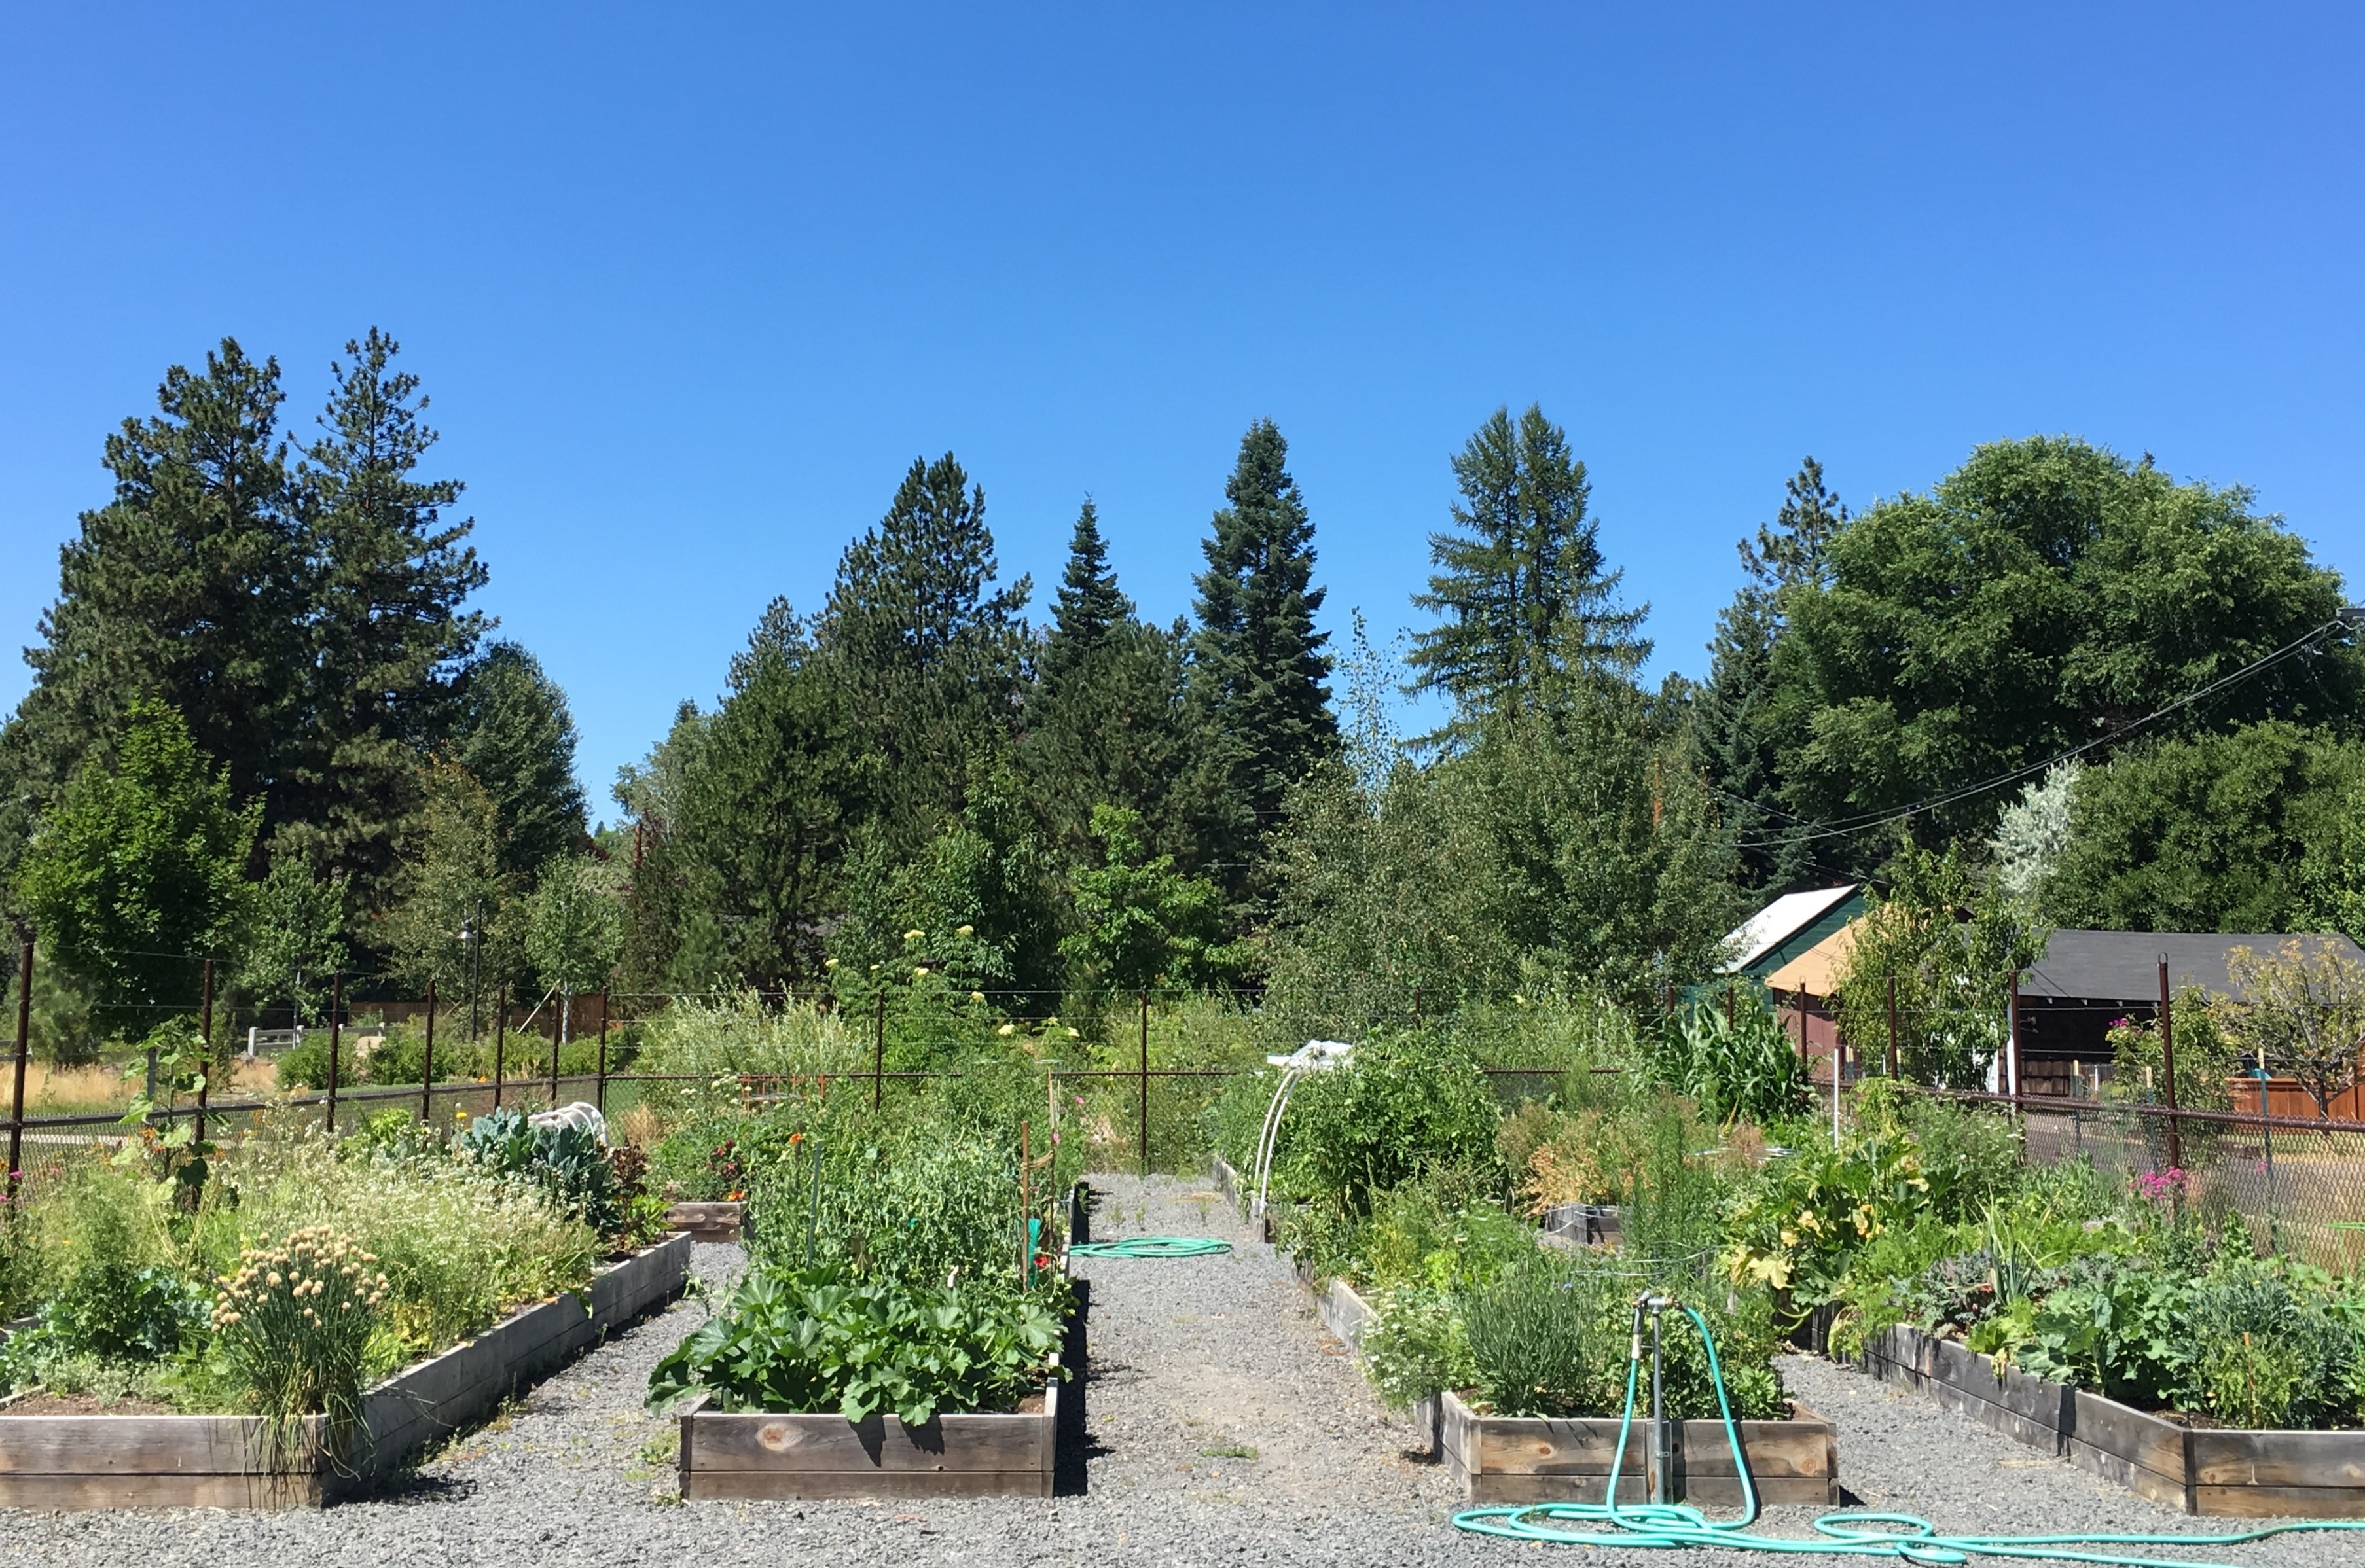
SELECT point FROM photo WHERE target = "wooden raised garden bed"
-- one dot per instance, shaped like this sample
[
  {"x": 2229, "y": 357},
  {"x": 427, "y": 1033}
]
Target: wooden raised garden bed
[
  {"x": 215, "y": 1462},
  {"x": 2205, "y": 1470},
  {"x": 817, "y": 1454},
  {"x": 822, "y": 1455},
  {"x": 1524, "y": 1459},
  {"x": 707, "y": 1222}
]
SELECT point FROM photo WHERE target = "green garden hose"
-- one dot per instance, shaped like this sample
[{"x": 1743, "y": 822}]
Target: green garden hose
[
  {"x": 1849, "y": 1534},
  {"x": 1151, "y": 1247}
]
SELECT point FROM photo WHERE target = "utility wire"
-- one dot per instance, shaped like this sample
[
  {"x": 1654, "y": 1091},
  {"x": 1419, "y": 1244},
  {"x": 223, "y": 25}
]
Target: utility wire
[{"x": 1845, "y": 826}]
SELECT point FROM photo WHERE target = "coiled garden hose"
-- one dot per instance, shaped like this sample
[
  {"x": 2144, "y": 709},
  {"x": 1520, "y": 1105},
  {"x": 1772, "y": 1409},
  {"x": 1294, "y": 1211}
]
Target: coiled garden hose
[
  {"x": 1151, "y": 1247},
  {"x": 1853, "y": 1533}
]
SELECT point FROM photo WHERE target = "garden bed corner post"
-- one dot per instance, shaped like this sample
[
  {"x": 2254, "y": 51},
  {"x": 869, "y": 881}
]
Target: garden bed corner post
[{"x": 2167, "y": 1071}]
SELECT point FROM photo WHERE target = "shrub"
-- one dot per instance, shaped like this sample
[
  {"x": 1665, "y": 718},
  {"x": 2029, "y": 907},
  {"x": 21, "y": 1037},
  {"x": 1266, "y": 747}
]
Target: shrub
[
  {"x": 295, "y": 1324},
  {"x": 821, "y": 1339},
  {"x": 1402, "y": 1104},
  {"x": 460, "y": 1246},
  {"x": 567, "y": 1161}
]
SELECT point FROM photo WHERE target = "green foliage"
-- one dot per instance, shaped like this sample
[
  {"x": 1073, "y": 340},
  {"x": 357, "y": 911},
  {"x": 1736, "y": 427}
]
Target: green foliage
[
  {"x": 1139, "y": 922},
  {"x": 516, "y": 738},
  {"x": 1553, "y": 1339},
  {"x": 574, "y": 927},
  {"x": 1406, "y": 1103},
  {"x": 1106, "y": 723},
  {"x": 294, "y": 943},
  {"x": 140, "y": 868},
  {"x": 109, "y": 1310},
  {"x": 567, "y": 1161},
  {"x": 2205, "y": 833},
  {"x": 1737, "y": 1065},
  {"x": 2042, "y": 592},
  {"x": 822, "y": 1339},
  {"x": 447, "y": 926},
  {"x": 1523, "y": 590},
  {"x": 908, "y": 1207},
  {"x": 1258, "y": 668},
  {"x": 1946, "y": 939},
  {"x": 2301, "y": 1011},
  {"x": 927, "y": 652}
]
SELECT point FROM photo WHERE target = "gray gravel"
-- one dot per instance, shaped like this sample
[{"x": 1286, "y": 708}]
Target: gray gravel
[{"x": 1187, "y": 1357}]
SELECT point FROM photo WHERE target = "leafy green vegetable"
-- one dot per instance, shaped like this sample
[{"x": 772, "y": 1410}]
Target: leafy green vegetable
[{"x": 819, "y": 1339}]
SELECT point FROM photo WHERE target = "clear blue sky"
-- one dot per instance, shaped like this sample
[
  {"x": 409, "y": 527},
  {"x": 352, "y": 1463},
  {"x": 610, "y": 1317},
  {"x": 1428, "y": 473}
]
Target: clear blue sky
[{"x": 691, "y": 286}]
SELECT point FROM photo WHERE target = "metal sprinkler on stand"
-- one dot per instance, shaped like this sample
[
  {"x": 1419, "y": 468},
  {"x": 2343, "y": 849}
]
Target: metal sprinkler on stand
[{"x": 1314, "y": 1056}]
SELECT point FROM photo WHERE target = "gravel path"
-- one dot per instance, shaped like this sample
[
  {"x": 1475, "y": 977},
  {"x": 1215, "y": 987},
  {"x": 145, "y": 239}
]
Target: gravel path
[{"x": 1227, "y": 1428}]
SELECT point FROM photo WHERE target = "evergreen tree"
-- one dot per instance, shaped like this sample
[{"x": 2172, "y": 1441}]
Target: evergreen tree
[
  {"x": 1105, "y": 722},
  {"x": 137, "y": 875},
  {"x": 1741, "y": 717},
  {"x": 1521, "y": 586},
  {"x": 451, "y": 921},
  {"x": 1087, "y": 611},
  {"x": 188, "y": 587},
  {"x": 516, "y": 738},
  {"x": 927, "y": 655},
  {"x": 387, "y": 635},
  {"x": 1258, "y": 668},
  {"x": 750, "y": 815}
]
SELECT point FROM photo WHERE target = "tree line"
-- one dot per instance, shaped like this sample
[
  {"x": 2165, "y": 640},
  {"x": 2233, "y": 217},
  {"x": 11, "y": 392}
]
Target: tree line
[{"x": 2058, "y": 681}]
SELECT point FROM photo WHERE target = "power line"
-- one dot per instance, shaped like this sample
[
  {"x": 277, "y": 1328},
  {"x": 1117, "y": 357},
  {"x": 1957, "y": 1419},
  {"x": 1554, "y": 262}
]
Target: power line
[{"x": 1846, "y": 826}]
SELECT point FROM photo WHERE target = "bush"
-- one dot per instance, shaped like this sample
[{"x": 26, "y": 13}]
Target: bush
[
  {"x": 294, "y": 1326},
  {"x": 821, "y": 1339},
  {"x": 911, "y": 1207},
  {"x": 1403, "y": 1104},
  {"x": 567, "y": 1161}
]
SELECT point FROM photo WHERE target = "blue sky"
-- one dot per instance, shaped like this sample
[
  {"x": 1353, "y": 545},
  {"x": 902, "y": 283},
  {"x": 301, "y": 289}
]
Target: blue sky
[{"x": 691, "y": 286}]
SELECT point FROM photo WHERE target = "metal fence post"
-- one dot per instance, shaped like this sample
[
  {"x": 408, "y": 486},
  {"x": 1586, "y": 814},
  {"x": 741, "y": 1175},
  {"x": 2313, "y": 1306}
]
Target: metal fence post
[
  {"x": 501, "y": 1039},
  {"x": 560, "y": 1027},
  {"x": 1145, "y": 1083},
  {"x": 1892, "y": 1027},
  {"x": 204, "y": 1052},
  {"x": 427, "y": 1061},
  {"x": 599, "y": 1082},
  {"x": 336, "y": 1026},
  {"x": 24, "y": 1041},
  {"x": 2167, "y": 1069},
  {"x": 878, "y": 1052},
  {"x": 2012, "y": 1036}
]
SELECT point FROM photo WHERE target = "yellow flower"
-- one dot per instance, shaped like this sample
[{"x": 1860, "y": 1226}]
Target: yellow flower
[
  {"x": 1789, "y": 1238},
  {"x": 1075, "y": 1033},
  {"x": 1007, "y": 1029},
  {"x": 914, "y": 934},
  {"x": 921, "y": 972},
  {"x": 977, "y": 996},
  {"x": 964, "y": 930},
  {"x": 829, "y": 963}
]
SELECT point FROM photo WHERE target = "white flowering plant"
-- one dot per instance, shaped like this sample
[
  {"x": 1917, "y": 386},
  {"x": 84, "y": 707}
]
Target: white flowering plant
[{"x": 295, "y": 1326}]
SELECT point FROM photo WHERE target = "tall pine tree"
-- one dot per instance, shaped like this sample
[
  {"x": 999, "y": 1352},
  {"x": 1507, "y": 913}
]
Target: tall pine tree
[
  {"x": 516, "y": 737},
  {"x": 928, "y": 650},
  {"x": 1520, "y": 587},
  {"x": 1741, "y": 717},
  {"x": 387, "y": 634},
  {"x": 1258, "y": 668},
  {"x": 188, "y": 587},
  {"x": 1106, "y": 723}
]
